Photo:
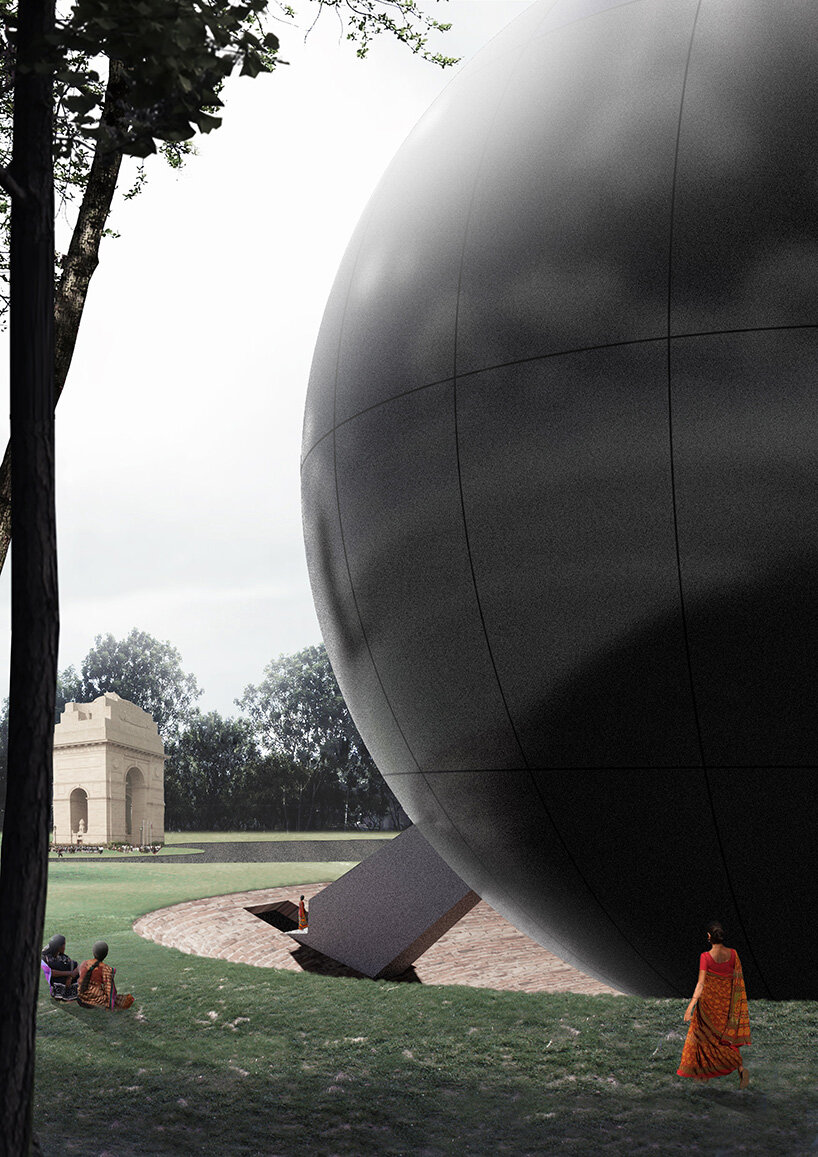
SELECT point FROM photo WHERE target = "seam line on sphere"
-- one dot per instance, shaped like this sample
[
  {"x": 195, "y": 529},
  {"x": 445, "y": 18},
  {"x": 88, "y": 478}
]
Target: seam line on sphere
[
  {"x": 374, "y": 406},
  {"x": 602, "y": 908},
  {"x": 558, "y": 354},
  {"x": 741, "y": 329},
  {"x": 680, "y": 584},
  {"x": 591, "y": 892},
  {"x": 478, "y": 170},
  {"x": 614, "y": 4},
  {"x": 513, "y": 902},
  {"x": 510, "y": 899},
  {"x": 609, "y": 345},
  {"x": 364, "y": 636},
  {"x": 341, "y": 331},
  {"x": 364, "y": 227},
  {"x": 613, "y": 767},
  {"x": 693, "y": 696}
]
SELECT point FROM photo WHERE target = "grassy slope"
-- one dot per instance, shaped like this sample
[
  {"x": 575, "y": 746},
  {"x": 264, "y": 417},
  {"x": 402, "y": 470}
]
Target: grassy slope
[{"x": 227, "y": 1059}]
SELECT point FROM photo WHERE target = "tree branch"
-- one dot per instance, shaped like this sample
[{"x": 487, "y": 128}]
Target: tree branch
[
  {"x": 78, "y": 268},
  {"x": 8, "y": 183}
]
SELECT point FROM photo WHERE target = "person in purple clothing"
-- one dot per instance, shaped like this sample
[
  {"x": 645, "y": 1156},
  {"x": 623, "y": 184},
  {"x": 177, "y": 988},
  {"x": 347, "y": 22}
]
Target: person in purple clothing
[{"x": 63, "y": 973}]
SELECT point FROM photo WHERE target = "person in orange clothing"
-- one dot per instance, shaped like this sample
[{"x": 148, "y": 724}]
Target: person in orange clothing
[
  {"x": 302, "y": 915},
  {"x": 96, "y": 987},
  {"x": 718, "y": 1015}
]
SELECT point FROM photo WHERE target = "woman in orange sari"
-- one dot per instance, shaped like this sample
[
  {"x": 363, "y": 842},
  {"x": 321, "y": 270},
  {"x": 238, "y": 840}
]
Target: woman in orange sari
[
  {"x": 718, "y": 1015},
  {"x": 96, "y": 987}
]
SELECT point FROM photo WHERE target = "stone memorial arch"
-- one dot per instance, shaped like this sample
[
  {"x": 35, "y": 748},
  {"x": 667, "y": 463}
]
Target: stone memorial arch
[{"x": 109, "y": 774}]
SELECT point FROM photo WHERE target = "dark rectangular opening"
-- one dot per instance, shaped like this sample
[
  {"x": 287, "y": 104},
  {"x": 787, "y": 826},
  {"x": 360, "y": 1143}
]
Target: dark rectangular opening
[{"x": 283, "y": 915}]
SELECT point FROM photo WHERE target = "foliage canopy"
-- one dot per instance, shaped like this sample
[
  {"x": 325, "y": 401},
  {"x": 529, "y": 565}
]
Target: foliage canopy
[
  {"x": 295, "y": 760},
  {"x": 138, "y": 668}
]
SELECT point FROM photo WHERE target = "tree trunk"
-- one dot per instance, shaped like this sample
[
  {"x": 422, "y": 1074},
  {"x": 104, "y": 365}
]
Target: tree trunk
[
  {"x": 316, "y": 783},
  {"x": 34, "y": 608},
  {"x": 78, "y": 269}
]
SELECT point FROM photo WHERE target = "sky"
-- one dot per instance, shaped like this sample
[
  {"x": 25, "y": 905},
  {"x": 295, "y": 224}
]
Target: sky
[{"x": 179, "y": 430}]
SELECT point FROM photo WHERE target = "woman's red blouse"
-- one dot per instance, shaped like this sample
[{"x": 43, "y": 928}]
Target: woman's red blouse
[{"x": 708, "y": 964}]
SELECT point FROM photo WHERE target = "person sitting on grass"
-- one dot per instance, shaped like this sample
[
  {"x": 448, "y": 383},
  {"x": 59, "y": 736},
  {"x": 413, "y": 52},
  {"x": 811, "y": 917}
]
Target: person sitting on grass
[
  {"x": 62, "y": 972},
  {"x": 96, "y": 982}
]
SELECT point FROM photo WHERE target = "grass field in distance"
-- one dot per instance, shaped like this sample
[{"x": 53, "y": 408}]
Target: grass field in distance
[{"x": 176, "y": 838}]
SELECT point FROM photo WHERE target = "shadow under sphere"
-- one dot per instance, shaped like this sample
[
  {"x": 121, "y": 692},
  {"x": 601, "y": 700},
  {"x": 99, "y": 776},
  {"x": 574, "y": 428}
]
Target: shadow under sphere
[{"x": 559, "y": 482}]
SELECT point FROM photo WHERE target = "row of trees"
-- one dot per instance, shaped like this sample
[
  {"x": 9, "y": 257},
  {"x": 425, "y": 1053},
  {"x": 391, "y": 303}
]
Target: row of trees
[{"x": 293, "y": 761}]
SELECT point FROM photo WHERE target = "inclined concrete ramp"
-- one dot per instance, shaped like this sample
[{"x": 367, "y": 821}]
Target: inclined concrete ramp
[{"x": 382, "y": 915}]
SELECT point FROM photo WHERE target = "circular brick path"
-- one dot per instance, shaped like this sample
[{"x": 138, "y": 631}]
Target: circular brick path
[{"x": 482, "y": 950}]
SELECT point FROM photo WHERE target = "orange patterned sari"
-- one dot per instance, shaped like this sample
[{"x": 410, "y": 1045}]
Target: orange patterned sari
[
  {"x": 99, "y": 990},
  {"x": 720, "y": 1023}
]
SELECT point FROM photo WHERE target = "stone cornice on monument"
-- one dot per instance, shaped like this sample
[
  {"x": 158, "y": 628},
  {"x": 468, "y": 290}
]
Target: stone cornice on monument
[
  {"x": 140, "y": 751},
  {"x": 111, "y": 719}
]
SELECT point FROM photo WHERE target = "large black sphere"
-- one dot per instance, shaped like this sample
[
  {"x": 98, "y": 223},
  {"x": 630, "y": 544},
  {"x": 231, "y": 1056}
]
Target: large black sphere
[{"x": 560, "y": 483}]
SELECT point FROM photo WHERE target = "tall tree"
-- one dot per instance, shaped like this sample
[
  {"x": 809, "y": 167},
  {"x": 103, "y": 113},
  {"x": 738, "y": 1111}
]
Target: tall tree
[
  {"x": 299, "y": 713},
  {"x": 139, "y": 668},
  {"x": 34, "y": 605},
  {"x": 4, "y": 751},
  {"x": 166, "y": 64},
  {"x": 211, "y": 766},
  {"x": 263, "y": 794}
]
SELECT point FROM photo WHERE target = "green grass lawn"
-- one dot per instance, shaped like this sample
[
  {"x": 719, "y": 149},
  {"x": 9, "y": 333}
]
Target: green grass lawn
[
  {"x": 218, "y": 1058},
  {"x": 277, "y": 837}
]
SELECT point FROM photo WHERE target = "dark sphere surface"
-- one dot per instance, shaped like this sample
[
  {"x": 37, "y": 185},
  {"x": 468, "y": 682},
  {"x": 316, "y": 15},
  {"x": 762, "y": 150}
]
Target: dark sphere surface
[{"x": 560, "y": 483}]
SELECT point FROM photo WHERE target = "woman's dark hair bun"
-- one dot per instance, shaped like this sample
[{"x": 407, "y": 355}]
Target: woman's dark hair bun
[{"x": 716, "y": 932}]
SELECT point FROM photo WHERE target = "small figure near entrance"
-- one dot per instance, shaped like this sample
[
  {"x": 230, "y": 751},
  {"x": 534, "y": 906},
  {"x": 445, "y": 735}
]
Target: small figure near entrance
[
  {"x": 61, "y": 972},
  {"x": 96, "y": 982},
  {"x": 302, "y": 915}
]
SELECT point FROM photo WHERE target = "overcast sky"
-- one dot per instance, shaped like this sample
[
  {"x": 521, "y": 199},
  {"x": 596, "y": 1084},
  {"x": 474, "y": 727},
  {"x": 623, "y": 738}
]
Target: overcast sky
[{"x": 179, "y": 431}]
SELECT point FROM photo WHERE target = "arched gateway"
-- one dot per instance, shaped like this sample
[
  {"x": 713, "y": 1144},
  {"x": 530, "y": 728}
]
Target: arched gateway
[{"x": 109, "y": 774}]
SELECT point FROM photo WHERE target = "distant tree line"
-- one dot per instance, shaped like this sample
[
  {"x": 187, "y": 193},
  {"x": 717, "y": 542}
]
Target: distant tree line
[{"x": 294, "y": 761}]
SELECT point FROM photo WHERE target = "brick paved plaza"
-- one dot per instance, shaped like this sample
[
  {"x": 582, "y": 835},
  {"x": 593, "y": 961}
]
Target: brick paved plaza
[{"x": 482, "y": 951}]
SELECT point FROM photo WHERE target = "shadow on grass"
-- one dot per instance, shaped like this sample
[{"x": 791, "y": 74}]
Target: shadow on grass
[
  {"x": 99, "y": 1020},
  {"x": 345, "y": 1111},
  {"x": 749, "y": 1103},
  {"x": 310, "y": 960}
]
